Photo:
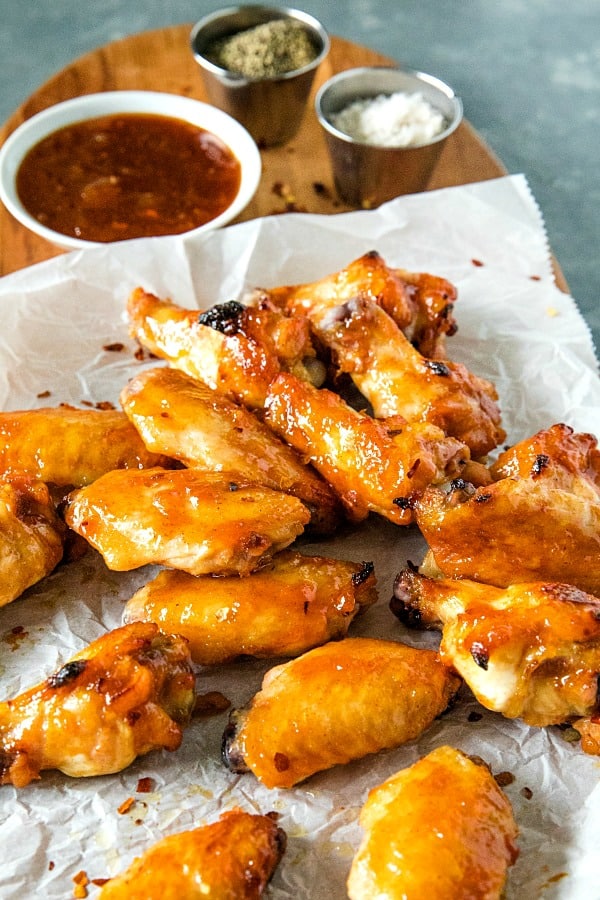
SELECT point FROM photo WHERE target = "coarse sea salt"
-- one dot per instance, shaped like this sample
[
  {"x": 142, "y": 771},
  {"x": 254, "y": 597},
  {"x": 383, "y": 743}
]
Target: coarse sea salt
[{"x": 390, "y": 120}]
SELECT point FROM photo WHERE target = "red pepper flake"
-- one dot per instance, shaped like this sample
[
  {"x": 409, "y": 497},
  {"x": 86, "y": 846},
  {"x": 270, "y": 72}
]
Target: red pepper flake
[
  {"x": 87, "y": 403},
  {"x": 535, "y": 277},
  {"x": 527, "y": 793},
  {"x": 116, "y": 347},
  {"x": 80, "y": 882},
  {"x": 50, "y": 865},
  {"x": 282, "y": 762},
  {"x": 99, "y": 882},
  {"x": 104, "y": 404},
  {"x": 43, "y": 394},
  {"x": 503, "y": 779},
  {"x": 210, "y": 704},
  {"x": 126, "y": 806},
  {"x": 145, "y": 786},
  {"x": 476, "y": 262}
]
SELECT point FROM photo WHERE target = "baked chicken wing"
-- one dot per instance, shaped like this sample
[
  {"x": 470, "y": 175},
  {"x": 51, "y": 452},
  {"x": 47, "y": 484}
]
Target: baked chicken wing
[
  {"x": 68, "y": 446},
  {"x": 538, "y": 521},
  {"x": 230, "y": 859},
  {"x": 200, "y": 522},
  {"x": 185, "y": 419},
  {"x": 292, "y": 604},
  {"x": 530, "y": 651},
  {"x": 441, "y": 829},
  {"x": 129, "y": 692},
  {"x": 232, "y": 348},
  {"x": 421, "y": 304},
  {"x": 32, "y": 536},
  {"x": 378, "y": 466},
  {"x": 334, "y": 704}
]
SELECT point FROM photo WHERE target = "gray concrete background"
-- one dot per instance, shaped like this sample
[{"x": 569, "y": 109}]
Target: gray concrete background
[{"x": 528, "y": 72}]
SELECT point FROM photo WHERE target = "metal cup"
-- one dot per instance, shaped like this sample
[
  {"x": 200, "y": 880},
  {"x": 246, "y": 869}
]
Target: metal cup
[
  {"x": 368, "y": 174},
  {"x": 271, "y": 109}
]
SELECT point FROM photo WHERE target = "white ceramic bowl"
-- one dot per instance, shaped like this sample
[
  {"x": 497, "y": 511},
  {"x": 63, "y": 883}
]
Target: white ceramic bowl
[{"x": 90, "y": 106}]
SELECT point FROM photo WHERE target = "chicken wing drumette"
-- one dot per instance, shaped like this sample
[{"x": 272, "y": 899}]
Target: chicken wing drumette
[
  {"x": 232, "y": 348},
  {"x": 230, "y": 859},
  {"x": 202, "y": 428},
  {"x": 129, "y": 692},
  {"x": 373, "y": 465},
  {"x": 538, "y": 521},
  {"x": 199, "y": 522},
  {"x": 441, "y": 829},
  {"x": 32, "y": 536},
  {"x": 530, "y": 651},
  {"x": 335, "y": 704},
  {"x": 292, "y": 604}
]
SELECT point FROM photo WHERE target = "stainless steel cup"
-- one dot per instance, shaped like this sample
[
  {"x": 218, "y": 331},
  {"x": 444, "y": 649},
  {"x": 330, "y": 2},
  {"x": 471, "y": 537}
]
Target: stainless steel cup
[
  {"x": 368, "y": 174},
  {"x": 271, "y": 109}
]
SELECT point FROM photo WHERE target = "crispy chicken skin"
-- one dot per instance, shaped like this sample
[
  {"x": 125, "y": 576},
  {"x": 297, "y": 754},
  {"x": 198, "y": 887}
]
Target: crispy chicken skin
[
  {"x": 372, "y": 465},
  {"x": 185, "y": 419},
  {"x": 530, "y": 651},
  {"x": 129, "y": 692},
  {"x": 334, "y": 704},
  {"x": 68, "y": 446},
  {"x": 230, "y": 859},
  {"x": 397, "y": 380},
  {"x": 539, "y": 521},
  {"x": 32, "y": 536},
  {"x": 441, "y": 829},
  {"x": 232, "y": 348},
  {"x": 199, "y": 522},
  {"x": 421, "y": 304},
  {"x": 294, "y": 603}
]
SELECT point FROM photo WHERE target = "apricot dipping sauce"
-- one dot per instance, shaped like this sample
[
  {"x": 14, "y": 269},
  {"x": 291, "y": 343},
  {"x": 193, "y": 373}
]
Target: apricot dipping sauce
[{"x": 128, "y": 175}]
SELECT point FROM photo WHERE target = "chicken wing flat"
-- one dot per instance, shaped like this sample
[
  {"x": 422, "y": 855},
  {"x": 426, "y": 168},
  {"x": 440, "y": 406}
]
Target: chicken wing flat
[
  {"x": 230, "y": 859},
  {"x": 440, "y": 829},
  {"x": 397, "y": 380},
  {"x": 372, "y": 465},
  {"x": 199, "y": 522},
  {"x": 129, "y": 692},
  {"x": 530, "y": 651},
  {"x": 185, "y": 419},
  {"x": 32, "y": 536},
  {"x": 540, "y": 521},
  {"x": 232, "y": 348},
  {"x": 68, "y": 446},
  {"x": 334, "y": 704},
  {"x": 421, "y": 304},
  {"x": 294, "y": 603}
]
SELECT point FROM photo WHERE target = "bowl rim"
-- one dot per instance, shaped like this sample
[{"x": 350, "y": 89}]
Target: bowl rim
[
  {"x": 417, "y": 75},
  {"x": 274, "y": 13},
  {"x": 90, "y": 106}
]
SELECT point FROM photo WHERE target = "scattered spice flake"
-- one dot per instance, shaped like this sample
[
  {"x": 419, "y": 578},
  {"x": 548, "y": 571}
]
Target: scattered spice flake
[
  {"x": 477, "y": 262},
  {"x": 535, "y": 277},
  {"x": 87, "y": 403},
  {"x": 139, "y": 354},
  {"x": 43, "y": 394},
  {"x": 14, "y": 637},
  {"x": 116, "y": 347},
  {"x": 558, "y": 877},
  {"x": 126, "y": 806},
  {"x": 210, "y": 704},
  {"x": 321, "y": 190},
  {"x": 552, "y": 312},
  {"x": 145, "y": 785},
  {"x": 503, "y": 779},
  {"x": 80, "y": 882},
  {"x": 50, "y": 865},
  {"x": 474, "y": 717},
  {"x": 99, "y": 882},
  {"x": 104, "y": 404},
  {"x": 527, "y": 793}
]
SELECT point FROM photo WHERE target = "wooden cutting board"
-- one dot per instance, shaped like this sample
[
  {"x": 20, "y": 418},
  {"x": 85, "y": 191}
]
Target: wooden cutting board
[{"x": 296, "y": 176}]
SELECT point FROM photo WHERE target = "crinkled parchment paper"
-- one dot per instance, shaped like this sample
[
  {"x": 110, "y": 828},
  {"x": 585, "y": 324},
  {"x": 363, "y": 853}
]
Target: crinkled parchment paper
[{"x": 515, "y": 328}]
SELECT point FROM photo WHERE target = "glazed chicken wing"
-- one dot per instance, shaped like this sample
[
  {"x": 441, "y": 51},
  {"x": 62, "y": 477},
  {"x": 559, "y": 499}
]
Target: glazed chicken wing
[
  {"x": 440, "y": 830},
  {"x": 68, "y": 446},
  {"x": 129, "y": 692},
  {"x": 294, "y": 603},
  {"x": 200, "y": 522},
  {"x": 530, "y": 651},
  {"x": 372, "y": 465},
  {"x": 185, "y": 419},
  {"x": 32, "y": 536},
  {"x": 334, "y": 704},
  {"x": 421, "y": 304},
  {"x": 230, "y": 859},
  {"x": 232, "y": 348},
  {"x": 539, "y": 521}
]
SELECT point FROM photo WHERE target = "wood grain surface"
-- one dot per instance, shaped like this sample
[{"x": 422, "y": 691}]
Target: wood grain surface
[{"x": 296, "y": 176}]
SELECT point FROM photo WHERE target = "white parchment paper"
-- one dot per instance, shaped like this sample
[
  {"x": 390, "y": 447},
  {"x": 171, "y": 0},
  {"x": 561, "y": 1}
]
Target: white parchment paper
[{"x": 515, "y": 328}]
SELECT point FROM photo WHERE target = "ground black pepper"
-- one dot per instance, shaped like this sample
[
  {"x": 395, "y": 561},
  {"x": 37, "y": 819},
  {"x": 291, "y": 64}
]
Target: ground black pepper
[{"x": 264, "y": 51}]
